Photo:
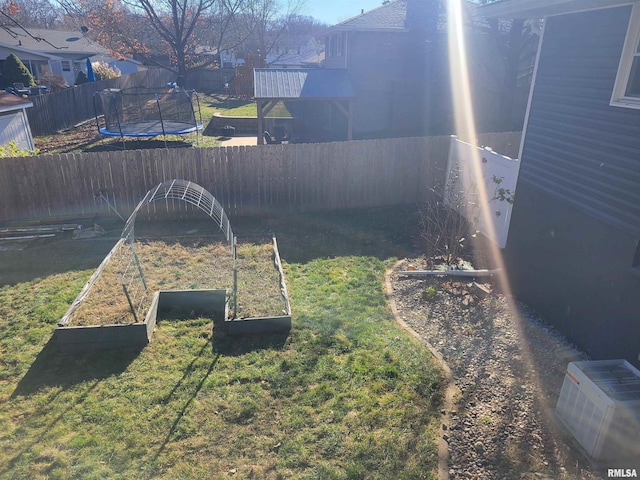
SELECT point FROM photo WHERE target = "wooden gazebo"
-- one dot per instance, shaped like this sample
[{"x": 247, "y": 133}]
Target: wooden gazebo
[{"x": 329, "y": 85}]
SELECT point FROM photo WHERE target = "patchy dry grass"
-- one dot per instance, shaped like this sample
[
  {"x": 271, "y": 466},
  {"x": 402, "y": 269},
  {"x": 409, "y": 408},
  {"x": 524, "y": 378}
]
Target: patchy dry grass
[
  {"x": 346, "y": 395},
  {"x": 186, "y": 264}
]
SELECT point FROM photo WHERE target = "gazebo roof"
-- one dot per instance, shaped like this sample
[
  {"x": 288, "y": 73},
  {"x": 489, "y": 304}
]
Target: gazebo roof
[{"x": 285, "y": 83}]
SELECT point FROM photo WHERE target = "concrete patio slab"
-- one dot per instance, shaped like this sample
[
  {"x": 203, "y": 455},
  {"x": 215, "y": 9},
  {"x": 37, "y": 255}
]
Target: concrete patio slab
[{"x": 239, "y": 141}]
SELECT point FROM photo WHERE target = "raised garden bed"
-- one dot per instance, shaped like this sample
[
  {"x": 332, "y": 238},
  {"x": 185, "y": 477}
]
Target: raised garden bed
[{"x": 184, "y": 278}]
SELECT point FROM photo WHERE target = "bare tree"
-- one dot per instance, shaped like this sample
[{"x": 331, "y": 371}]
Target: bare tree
[
  {"x": 122, "y": 23},
  {"x": 251, "y": 26},
  {"x": 11, "y": 21},
  {"x": 175, "y": 21},
  {"x": 111, "y": 24},
  {"x": 516, "y": 41},
  {"x": 224, "y": 28},
  {"x": 178, "y": 27},
  {"x": 268, "y": 23},
  {"x": 305, "y": 24},
  {"x": 31, "y": 13}
]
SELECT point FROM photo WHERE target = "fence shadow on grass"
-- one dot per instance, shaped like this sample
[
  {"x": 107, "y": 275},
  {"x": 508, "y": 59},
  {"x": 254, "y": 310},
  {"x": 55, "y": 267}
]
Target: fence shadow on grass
[
  {"x": 221, "y": 344},
  {"x": 381, "y": 232},
  {"x": 50, "y": 256},
  {"x": 188, "y": 402},
  {"x": 51, "y": 368}
]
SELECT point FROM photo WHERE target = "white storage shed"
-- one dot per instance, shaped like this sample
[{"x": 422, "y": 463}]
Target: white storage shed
[{"x": 14, "y": 124}]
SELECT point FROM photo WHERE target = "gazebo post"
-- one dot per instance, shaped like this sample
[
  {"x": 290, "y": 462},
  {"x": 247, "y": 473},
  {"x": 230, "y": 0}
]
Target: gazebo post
[
  {"x": 260, "y": 120},
  {"x": 347, "y": 112},
  {"x": 262, "y": 111}
]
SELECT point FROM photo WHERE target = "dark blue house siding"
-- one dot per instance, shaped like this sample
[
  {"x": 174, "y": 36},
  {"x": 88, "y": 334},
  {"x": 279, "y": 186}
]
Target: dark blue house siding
[
  {"x": 575, "y": 226},
  {"x": 578, "y": 148},
  {"x": 576, "y": 272}
]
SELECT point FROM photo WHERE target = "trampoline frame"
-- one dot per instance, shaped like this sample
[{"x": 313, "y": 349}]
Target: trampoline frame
[{"x": 179, "y": 127}]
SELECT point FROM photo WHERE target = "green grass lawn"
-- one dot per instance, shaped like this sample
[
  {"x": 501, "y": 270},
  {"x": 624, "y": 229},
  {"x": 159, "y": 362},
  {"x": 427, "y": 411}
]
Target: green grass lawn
[
  {"x": 242, "y": 108},
  {"x": 346, "y": 395}
]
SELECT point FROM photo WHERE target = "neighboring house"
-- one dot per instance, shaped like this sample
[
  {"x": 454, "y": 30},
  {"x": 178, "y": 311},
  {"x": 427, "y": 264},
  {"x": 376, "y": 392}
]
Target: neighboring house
[
  {"x": 223, "y": 59},
  {"x": 57, "y": 51},
  {"x": 388, "y": 73},
  {"x": 369, "y": 47},
  {"x": 573, "y": 251},
  {"x": 124, "y": 65},
  {"x": 14, "y": 125},
  {"x": 295, "y": 51},
  {"x": 37, "y": 62},
  {"x": 230, "y": 60}
]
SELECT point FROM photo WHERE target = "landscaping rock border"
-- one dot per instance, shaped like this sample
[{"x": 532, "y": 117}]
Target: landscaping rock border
[{"x": 507, "y": 366}]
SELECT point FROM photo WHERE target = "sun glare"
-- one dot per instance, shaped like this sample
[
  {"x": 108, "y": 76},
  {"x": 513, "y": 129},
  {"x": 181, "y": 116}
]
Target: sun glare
[
  {"x": 464, "y": 115},
  {"x": 466, "y": 131}
]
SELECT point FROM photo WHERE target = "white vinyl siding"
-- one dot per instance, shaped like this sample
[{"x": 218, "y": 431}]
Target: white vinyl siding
[{"x": 15, "y": 126}]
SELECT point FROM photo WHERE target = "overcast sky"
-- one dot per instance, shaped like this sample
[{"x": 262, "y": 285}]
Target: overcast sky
[{"x": 335, "y": 11}]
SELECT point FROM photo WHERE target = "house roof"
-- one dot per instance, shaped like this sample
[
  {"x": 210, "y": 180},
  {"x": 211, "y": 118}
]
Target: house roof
[
  {"x": 61, "y": 43},
  {"x": 393, "y": 17},
  {"x": 10, "y": 102},
  {"x": 302, "y": 83},
  {"x": 29, "y": 52},
  {"x": 305, "y": 58},
  {"x": 541, "y": 8},
  {"x": 106, "y": 58},
  {"x": 315, "y": 59},
  {"x": 390, "y": 16},
  {"x": 294, "y": 51}
]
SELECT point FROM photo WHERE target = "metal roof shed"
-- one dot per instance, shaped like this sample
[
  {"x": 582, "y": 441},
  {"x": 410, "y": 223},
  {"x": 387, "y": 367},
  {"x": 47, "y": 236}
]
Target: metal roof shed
[{"x": 272, "y": 85}]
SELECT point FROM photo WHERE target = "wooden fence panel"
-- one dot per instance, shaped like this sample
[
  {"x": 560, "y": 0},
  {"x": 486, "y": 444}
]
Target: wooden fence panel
[{"x": 245, "y": 180}]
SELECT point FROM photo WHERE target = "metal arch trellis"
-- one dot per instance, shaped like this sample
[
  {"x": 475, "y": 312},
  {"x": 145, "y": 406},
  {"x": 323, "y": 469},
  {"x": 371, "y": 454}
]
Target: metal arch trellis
[
  {"x": 188, "y": 192},
  {"x": 131, "y": 278}
]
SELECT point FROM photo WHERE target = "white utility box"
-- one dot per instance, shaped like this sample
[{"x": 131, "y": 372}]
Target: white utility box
[{"x": 600, "y": 405}]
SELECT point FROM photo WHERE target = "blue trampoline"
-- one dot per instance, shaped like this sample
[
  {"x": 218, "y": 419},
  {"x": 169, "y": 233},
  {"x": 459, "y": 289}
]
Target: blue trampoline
[{"x": 145, "y": 112}]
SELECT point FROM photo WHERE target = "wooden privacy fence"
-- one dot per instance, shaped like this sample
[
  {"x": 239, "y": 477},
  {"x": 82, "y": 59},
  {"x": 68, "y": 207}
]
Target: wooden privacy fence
[
  {"x": 245, "y": 180},
  {"x": 56, "y": 111}
]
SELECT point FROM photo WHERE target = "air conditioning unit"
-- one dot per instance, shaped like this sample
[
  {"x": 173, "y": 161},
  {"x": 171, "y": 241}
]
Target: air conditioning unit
[{"x": 600, "y": 405}]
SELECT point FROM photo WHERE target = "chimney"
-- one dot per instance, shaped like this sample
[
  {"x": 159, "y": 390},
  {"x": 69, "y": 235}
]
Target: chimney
[{"x": 422, "y": 14}]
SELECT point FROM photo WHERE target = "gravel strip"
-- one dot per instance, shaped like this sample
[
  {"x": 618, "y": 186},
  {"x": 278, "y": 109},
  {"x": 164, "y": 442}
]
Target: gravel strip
[{"x": 508, "y": 377}]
